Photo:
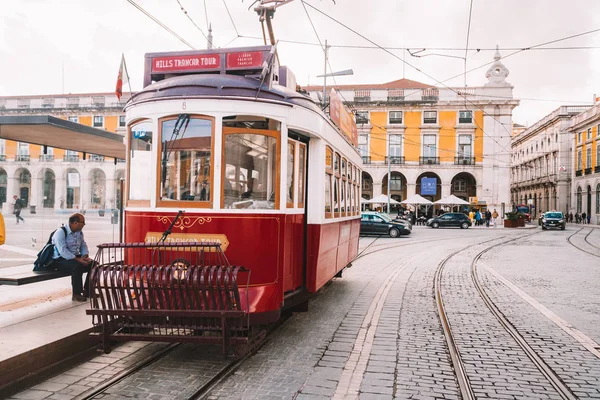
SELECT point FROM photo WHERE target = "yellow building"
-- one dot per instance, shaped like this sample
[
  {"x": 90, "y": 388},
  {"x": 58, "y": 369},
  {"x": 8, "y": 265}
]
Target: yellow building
[
  {"x": 434, "y": 141},
  {"x": 585, "y": 129},
  {"x": 60, "y": 178}
]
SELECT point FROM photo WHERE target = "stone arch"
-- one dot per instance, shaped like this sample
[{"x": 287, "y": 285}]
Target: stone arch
[
  {"x": 23, "y": 182},
  {"x": 3, "y": 185},
  {"x": 47, "y": 179},
  {"x": 464, "y": 185},
  {"x": 578, "y": 200},
  {"x": 97, "y": 179},
  {"x": 398, "y": 187},
  {"x": 72, "y": 196},
  {"x": 367, "y": 185}
]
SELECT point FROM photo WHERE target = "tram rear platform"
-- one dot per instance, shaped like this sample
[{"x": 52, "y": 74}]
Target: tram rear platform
[{"x": 39, "y": 326}]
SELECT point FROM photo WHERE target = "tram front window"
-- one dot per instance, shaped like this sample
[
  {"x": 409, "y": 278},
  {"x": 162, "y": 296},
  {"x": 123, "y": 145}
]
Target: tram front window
[
  {"x": 250, "y": 171},
  {"x": 185, "y": 159}
]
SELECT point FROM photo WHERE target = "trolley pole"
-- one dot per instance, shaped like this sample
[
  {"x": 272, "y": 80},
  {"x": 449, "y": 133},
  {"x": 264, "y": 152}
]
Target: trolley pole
[{"x": 325, "y": 77}]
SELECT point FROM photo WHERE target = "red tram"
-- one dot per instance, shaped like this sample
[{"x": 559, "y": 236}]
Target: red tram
[{"x": 223, "y": 136}]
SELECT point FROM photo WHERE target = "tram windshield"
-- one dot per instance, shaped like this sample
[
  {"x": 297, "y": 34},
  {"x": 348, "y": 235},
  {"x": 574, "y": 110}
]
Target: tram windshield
[
  {"x": 250, "y": 173},
  {"x": 185, "y": 160}
]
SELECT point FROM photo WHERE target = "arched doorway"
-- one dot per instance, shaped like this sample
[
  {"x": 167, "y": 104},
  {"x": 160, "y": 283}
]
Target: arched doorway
[
  {"x": 464, "y": 186},
  {"x": 73, "y": 194},
  {"x": 397, "y": 186},
  {"x": 48, "y": 188},
  {"x": 24, "y": 182},
  {"x": 589, "y": 200},
  {"x": 3, "y": 183},
  {"x": 367, "y": 186},
  {"x": 97, "y": 179},
  {"x": 429, "y": 185},
  {"x": 578, "y": 199}
]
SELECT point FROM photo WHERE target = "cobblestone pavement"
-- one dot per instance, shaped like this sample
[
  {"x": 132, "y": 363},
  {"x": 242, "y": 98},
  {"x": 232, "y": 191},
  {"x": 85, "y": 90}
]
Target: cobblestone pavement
[{"x": 375, "y": 332}]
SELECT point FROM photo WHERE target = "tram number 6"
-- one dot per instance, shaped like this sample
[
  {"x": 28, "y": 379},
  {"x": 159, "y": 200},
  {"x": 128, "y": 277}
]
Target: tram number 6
[{"x": 183, "y": 105}]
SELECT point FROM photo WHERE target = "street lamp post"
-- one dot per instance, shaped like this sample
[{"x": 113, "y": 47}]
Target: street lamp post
[{"x": 325, "y": 75}]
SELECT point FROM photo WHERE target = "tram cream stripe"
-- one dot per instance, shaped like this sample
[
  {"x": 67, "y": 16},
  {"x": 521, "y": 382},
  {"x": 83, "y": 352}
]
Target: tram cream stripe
[
  {"x": 585, "y": 341},
  {"x": 355, "y": 367}
]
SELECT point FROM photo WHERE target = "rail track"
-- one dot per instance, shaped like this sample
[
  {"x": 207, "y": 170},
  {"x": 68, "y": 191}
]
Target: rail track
[
  {"x": 586, "y": 240},
  {"x": 466, "y": 389}
]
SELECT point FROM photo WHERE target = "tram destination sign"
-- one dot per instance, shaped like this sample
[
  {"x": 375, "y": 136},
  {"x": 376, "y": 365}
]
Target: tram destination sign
[{"x": 239, "y": 60}]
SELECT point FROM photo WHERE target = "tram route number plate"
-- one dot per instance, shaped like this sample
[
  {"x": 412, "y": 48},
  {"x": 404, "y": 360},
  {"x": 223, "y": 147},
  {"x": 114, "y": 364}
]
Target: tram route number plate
[{"x": 199, "y": 238}]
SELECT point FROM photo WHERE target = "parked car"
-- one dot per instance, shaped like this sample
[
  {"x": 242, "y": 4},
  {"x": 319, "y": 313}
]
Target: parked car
[
  {"x": 450, "y": 220},
  {"x": 373, "y": 223},
  {"x": 554, "y": 219}
]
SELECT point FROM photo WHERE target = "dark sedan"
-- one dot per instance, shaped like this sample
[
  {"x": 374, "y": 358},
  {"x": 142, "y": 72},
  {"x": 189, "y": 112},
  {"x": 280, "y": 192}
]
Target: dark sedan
[
  {"x": 450, "y": 220},
  {"x": 553, "y": 219},
  {"x": 372, "y": 223}
]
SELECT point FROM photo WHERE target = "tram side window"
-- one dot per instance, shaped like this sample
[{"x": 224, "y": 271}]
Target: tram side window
[
  {"x": 301, "y": 173},
  {"x": 185, "y": 160},
  {"x": 328, "y": 181},
  {"x": 140, "y": 161},
  {"x": 291, "y": 157},
  {"x": 250, "y": 174}
]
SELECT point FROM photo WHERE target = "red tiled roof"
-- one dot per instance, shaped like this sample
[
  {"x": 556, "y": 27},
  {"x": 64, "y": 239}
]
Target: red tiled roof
[{"x": 398, "y": 84}]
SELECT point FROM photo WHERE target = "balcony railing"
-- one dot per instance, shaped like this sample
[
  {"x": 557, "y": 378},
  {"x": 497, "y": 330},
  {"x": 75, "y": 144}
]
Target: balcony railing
[
  {"x": 71, "y": 158},
  {"x": 394, "y": 160},
  {"x": 96, "y": 158},
  {"x": 429, "y": 160},
  {"x": 366, "y": 160},
  {"x": 588, "y": 171},
  {"x": 46, "y": 157},
  {"x": 578, "y": 173},
  {"x": 597, "y": 169},
  {"x": 23, "y": 157},
  {"x": 464, "y": 160}
]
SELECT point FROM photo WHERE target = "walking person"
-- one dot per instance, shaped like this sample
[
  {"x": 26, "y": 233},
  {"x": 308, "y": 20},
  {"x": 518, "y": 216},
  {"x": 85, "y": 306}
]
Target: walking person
[
  {"x": 477, "y": 218},
  {"x": 494, "y": 217},
  {"x": 72, "y": 255},
  {"x": 583, "y": 218},
  {"x": 19, "y": 204},
  {"x": 488, "y": 217}
]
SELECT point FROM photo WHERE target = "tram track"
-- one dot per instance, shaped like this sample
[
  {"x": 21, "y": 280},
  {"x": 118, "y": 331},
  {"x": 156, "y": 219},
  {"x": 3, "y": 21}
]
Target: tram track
[
  {"x": 572, "y": 243},
  {"x": 467, "y": 392}
]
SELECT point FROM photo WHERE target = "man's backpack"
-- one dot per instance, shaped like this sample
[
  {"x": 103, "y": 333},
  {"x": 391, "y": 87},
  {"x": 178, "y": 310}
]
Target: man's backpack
[{"x": 44, "y": 260}]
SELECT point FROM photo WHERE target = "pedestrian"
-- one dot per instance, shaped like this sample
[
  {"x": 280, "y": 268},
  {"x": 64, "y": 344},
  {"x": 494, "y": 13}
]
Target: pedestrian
[
  {"x": 72, "y": 255},
  {"x": 19, "y": 204},
  {"x": 571, "y": 217},
  {"x": 477, "y": 218},
  {"x": 494, "y": 216},
  {"x": 488, "y": 217},
  {"x": 471, "y": 216},
  {"x": 583, "y": 218},
  {"x": 589, "y": 218}
]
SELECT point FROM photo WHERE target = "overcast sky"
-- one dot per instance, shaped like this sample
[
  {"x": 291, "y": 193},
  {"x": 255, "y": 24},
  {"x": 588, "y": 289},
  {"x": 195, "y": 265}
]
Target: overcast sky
[{"x": 41, "y": 38}]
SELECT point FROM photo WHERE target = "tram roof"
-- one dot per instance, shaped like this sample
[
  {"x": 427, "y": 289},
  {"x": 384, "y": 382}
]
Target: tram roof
[
  {"x": 46, "y": 130},
  {"x": 220, "y": 85}
]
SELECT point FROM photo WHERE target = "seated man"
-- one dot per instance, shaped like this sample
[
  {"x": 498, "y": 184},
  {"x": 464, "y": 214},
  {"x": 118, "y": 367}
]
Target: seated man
[{"x": 71, "y": 255}]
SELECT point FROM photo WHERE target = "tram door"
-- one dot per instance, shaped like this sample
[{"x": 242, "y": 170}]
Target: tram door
[{"x": 296, "y": 225}]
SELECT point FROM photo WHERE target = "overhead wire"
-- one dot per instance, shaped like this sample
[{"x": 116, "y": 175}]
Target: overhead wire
[
  {"x": 231, "y": 19},
  {"x": 193, "y": 22},
  {"x": 153, "y": 18}
]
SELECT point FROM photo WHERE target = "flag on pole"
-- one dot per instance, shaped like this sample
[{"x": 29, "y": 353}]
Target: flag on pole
[{"x": 122, "y": 78}]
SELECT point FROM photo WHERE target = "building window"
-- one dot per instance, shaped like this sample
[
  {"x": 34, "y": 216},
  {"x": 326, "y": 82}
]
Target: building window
[
  {"x": 579, "y": 137},
  {"x": 395, "y": 117},
  {"x": 430, "y": 117},
  {"x": 460, "y": 185},
  {"x": 588, "y": 157},
  {"x": 362, "y": 117},
  {"x": 140, "y": 152},
  {"x": 598, "y": 198},
  {"x": 395, "y": 145},
  {"x": 121, "y": 120},
  {"x": 464, "y": 146},
  {"x": 579, "y": 200},
  {"x": 396, "y": 182},
  {"x": 74, "y": 119},
  {"x": 363, "y": 145},
  {"x": 597, "y": 154},
  {"x": 589, "y": 133},
  {"x": 429, "y": 149},
  {"x": 2, "y": 147},
  {"x": 579, "y": 160},
  {"x": 465, "y": 117},
  {"x": 23, "y": 149},
  {"x": 98, "y": 121}
]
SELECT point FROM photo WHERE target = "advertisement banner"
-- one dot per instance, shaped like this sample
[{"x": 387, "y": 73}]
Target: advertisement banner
[
  {"x": 342, "y": 118},
  {"x": 429, "y": 186}
]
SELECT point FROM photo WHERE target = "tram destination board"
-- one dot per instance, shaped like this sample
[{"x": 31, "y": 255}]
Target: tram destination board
[{"x": 247, "y": 60}]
